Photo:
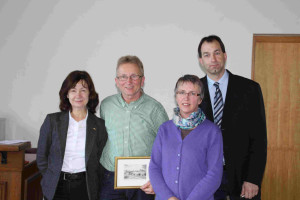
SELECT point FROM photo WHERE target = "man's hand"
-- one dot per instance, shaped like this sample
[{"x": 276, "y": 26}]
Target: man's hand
[
  {"x": 147, "y": 188},
  {"x": 249, "y": 190}
]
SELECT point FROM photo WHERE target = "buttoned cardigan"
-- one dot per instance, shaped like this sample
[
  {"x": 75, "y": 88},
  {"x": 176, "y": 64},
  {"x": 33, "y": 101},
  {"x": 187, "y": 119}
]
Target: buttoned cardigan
[{"x": 189, "y": 169}]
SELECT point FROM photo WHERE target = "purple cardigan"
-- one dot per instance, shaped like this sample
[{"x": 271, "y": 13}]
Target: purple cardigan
[{"x": 189, "y": 169}]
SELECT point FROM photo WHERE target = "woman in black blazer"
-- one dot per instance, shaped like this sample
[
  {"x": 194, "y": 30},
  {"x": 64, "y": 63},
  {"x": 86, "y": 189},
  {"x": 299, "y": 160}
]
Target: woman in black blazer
[{"x": 71, "y": 143}]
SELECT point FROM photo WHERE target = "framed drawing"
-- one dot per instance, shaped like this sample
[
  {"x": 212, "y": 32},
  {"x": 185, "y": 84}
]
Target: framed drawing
[{"x": 131, "y": 172}]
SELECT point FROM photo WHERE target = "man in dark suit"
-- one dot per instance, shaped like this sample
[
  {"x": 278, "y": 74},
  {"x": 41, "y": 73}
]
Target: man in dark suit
[{"x": 236, "y": 105}]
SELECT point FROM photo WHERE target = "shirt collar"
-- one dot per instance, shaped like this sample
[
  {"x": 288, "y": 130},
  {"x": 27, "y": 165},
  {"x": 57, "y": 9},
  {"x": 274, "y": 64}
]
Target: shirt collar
[
  {"x": 223, "y": 79},
  {"x": 133, "y": 103},
  {"x": 72, "y": 120}
]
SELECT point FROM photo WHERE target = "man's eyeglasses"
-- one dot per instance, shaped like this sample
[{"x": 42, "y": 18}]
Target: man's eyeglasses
[
  {"x": 183, "y": 93},
  {"x": 134, "y": 77}
]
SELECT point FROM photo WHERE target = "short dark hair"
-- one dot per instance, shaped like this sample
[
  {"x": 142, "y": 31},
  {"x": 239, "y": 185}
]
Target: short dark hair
[
  {"x": 192, "y": 79},
  {"x": 209, "y": 39},
  {"x": 70, "y": 82},
  {"x": 132, "y": 60}
]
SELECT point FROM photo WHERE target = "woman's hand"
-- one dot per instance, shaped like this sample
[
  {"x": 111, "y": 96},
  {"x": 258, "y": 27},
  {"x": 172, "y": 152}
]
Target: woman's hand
[
  {"x": 173, "y": 198},
  {"x": 147, "y": 188}
]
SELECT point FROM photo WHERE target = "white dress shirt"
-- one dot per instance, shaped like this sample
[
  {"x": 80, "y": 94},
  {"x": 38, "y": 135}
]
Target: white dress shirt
[{"x": 74, "y": 159}]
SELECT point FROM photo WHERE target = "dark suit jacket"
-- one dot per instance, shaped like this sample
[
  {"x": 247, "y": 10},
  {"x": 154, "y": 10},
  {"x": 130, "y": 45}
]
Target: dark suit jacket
[
  {"x": 51, "y": 150},
  {"x": 243, "y": 129}
]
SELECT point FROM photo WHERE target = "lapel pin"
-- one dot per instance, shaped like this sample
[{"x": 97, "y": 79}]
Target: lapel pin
[{"x": 94, "y": 129}]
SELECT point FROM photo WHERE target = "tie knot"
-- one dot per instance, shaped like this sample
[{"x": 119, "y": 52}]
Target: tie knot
[{"x": 216, "y": 84}]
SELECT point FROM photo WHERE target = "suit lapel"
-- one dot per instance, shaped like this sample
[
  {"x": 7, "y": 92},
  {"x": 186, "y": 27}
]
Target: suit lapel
[
  {"x": 63, "y": 131},
  {"x": 228, "y": 98},
  {"x": 91, "y": 131},
  {"x": 206, "y": 103},
  {"x": 232, "y": 99}
]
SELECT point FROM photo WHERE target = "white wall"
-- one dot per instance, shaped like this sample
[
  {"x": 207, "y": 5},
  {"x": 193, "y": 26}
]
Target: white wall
[{"x": 42, "y": 41}]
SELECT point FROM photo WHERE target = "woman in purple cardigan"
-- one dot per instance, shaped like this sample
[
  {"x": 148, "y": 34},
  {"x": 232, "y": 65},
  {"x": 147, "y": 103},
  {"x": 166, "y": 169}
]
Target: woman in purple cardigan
[{"x": 187, "y": 155}]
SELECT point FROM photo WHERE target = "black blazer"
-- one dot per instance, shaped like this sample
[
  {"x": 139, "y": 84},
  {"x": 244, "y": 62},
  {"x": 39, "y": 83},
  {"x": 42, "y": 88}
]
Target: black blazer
[
  {"x": 243, "y": 129},
  {"x": 51, "y": 151}
]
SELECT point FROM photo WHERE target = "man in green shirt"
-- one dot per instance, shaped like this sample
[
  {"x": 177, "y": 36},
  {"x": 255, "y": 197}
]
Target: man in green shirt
[{"x": 132, "y": 119}]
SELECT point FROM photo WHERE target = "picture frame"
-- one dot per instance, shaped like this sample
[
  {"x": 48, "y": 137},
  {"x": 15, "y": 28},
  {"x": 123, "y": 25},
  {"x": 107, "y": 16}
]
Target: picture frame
[{"x": 131, "y": 172}]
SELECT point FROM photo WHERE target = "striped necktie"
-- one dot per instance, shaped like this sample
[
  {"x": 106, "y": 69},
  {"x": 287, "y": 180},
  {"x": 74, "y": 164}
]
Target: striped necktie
[
  {"x": 218, "y": 108},
  {"x": 218, "y": 105}
]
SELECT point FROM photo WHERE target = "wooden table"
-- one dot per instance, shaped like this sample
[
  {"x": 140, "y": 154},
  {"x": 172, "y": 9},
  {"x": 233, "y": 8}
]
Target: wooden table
[{"x": 19, "y": 177}]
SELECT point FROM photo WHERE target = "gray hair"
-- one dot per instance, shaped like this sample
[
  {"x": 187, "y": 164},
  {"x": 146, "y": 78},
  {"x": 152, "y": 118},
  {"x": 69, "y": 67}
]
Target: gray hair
[
  {"x": 192, "y": 79},
  {"x": 133, "y": 60}
]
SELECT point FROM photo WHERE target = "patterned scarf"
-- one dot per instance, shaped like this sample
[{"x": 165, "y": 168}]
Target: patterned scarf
[{"x": 191, "y": 122}]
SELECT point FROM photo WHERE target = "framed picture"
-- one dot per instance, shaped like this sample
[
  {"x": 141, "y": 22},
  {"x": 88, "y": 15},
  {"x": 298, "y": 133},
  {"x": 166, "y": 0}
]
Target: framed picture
[{"x": 131, "y": 172}]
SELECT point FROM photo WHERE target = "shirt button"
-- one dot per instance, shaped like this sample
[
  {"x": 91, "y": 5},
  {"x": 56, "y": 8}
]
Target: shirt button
[
  {"x": 176, "y": 181},
  {"x": 177, "y": 168},
  {"x": 178, "y": 154}
]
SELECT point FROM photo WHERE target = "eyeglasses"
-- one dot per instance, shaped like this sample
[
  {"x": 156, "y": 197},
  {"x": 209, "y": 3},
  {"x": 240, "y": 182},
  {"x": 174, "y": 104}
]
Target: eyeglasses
[
  {"x": 134, "y": 77},
  {"x": 190, "y": 94}
]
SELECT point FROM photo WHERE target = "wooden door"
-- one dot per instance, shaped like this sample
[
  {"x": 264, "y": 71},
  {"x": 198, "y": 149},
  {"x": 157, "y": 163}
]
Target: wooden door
[{"x": 276, "y": 67}]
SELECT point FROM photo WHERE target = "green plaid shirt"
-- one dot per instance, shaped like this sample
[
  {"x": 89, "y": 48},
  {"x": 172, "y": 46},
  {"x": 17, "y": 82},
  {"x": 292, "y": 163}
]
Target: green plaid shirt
[{"x": 131, "y": 128}]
